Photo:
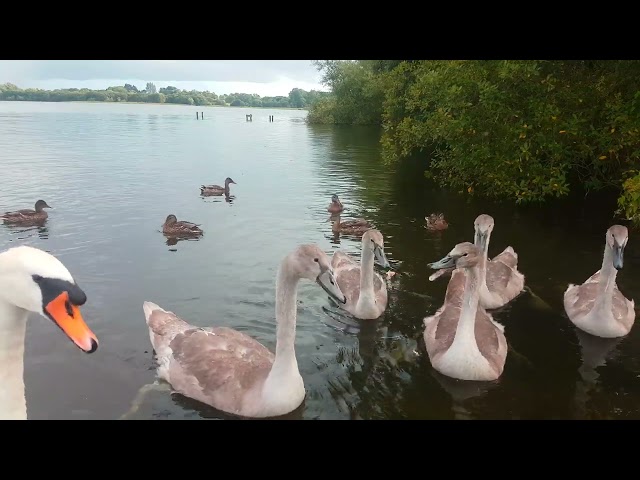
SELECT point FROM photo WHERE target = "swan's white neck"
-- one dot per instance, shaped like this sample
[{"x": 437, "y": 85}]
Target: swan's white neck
[
  {"x": 465, "y": 331},
  {"x": 285, "y": 365},
  {"x": 367, "y": 297},
  {"x": 482, "y": 268},
  {"x": 606, "y": 281},
  {"x": 13, "y": 325}
]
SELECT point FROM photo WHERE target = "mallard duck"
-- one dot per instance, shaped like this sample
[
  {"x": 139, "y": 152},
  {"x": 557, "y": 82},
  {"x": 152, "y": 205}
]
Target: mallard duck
[
  {"x": 355, "y": 227},
  {"x": 597, "y": 306},
  {"x": 365, "y": 289},
  {"x": 336, "y": 205},
  {"x": 27, "y": 215},
  {"x": 228, "y": 369},
  {"x": 208, "y": 190},
  {"x": 174, "y": 227},
  {"x": 34, "y": 281},
  {"x": 436, "y": 222},
  {"x": 462, "y": 339}
]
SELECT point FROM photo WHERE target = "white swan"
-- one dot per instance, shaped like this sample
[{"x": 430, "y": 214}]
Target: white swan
[
  {"x": 597, "y": 306},
  {"x": 462, "y": 339},
  {"x": 365, "y": 290},
  {"x": 32, "y": 280},
  {"x": 231, "y": 371}
]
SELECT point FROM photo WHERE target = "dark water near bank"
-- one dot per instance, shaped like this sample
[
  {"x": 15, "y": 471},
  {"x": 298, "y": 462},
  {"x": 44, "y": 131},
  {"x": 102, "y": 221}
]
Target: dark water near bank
[{"x": 112, "y": 173}]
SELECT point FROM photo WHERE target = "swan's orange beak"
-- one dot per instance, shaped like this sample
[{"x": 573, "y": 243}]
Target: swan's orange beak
[{"x": 68, "y": 317}]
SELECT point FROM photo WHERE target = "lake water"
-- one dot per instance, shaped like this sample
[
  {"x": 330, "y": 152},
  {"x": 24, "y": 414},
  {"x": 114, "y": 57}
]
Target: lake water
[{"x": 112, "y": 173}]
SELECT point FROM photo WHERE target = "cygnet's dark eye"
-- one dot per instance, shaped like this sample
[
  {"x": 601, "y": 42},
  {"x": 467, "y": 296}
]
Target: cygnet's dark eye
[{"x": 315, "y": 259}]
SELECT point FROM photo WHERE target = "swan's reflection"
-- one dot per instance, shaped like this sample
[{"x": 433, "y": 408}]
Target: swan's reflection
[
  {"x": 595, "y": 353},
  {"x": 460, "y": 391},
  {"x": 375, "y": 367}
]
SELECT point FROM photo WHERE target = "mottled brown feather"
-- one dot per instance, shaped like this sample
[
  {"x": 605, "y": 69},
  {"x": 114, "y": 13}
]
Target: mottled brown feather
[
  {"x": 218, "y": 366},
  {"x": 498, "y": 275},
  {"x": 347, "y": 272},
  {"x": 25, "y": 215},
  {"x": 586, "y": 294},
  {"x": 508, "y": 258},
  {"x": 447, "y": 317},
  {"x": 224, "y": 364}
]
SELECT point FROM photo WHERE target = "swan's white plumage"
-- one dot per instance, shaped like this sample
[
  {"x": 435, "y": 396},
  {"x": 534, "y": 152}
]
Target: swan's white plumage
[
  {"x": 598, "y": 306},
  {"x": 463, "y": 341}
]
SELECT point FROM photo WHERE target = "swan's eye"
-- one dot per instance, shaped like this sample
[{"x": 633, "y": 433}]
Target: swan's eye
[{"x": 315, "y": 259}]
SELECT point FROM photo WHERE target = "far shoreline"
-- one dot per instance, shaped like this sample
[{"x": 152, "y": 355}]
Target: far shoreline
[{"x": 153, "y": 103}]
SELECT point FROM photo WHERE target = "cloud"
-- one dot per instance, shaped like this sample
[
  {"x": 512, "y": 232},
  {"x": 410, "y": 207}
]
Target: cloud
[{"x": 220, "y": 76}]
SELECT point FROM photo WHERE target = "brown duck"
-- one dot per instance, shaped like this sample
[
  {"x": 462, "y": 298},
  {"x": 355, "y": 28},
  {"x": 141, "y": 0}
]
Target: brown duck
[
  {"x": 27, "y": 216},
  {"x": 355, "y": 227},
  {"x": 436, "y": 222},
  {"x": 209, "y": 190},
  {"x": 173, "y": 227},
  {"x": 335, "y": 206}
]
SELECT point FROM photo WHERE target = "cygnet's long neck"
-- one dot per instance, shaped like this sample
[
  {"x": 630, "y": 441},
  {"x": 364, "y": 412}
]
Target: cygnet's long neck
[
  {"x": 366, "y": 272},
  {"x": 607, "y": 279},
  {"x": 13, "y": 324},
  {"x": 286, "y": 295},
  {"x": 482, "y": 265},
  {"x": 226, "y": 187},
  {"x": 465, "y": 331}
]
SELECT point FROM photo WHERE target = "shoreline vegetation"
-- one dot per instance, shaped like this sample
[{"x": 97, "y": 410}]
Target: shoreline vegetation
[
  {"x": 297, "y": 98},
  {"x": 515, "y": 130}
]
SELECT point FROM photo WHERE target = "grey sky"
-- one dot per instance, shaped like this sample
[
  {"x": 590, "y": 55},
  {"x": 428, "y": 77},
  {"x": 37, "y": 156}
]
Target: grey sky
[{"x": 264, "y": 77}]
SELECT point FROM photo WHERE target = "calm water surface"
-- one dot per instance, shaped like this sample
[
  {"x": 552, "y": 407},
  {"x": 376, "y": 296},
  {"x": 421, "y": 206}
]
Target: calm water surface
[{"x": 112, "y": 173}]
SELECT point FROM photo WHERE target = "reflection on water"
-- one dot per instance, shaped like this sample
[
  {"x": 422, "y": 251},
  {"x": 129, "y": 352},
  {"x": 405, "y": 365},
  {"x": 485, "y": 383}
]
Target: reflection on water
[
  {"x": 113, "y": 170},
  {"x": 172, "y": 241},
  {"x": 23, "y": 232},
  {"x": 595, "y": 353}
]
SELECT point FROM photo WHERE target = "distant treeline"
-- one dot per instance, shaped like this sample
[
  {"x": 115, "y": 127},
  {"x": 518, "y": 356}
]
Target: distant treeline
[{"x": 297, "y": 98}]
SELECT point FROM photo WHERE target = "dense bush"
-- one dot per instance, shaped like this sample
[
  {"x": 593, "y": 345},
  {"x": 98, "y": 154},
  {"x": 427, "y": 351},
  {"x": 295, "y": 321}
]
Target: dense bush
[{"x": 522, "y": 130}]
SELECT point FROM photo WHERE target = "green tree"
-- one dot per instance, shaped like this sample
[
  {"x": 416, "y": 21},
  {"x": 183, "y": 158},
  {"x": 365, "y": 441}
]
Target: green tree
[
  {"x": 527, "y": 131},
  {"x": 169, "y": 90},
  {"x": 358, "y": 93}
]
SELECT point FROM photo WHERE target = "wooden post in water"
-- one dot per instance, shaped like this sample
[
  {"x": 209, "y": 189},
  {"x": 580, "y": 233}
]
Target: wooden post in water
[
  {"x": 196, "y": 115},
  {"x": 202, "y": 115}
]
